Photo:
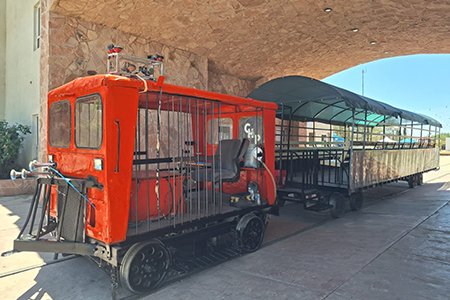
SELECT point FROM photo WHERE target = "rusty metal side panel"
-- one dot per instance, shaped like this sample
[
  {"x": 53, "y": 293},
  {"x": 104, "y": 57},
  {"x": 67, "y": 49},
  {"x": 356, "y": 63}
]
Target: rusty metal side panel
[{"x": 370, "y": 167}]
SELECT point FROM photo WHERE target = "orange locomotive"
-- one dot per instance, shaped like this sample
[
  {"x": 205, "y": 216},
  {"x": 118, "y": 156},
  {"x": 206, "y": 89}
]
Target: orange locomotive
[{"x": 141, "y": 172}]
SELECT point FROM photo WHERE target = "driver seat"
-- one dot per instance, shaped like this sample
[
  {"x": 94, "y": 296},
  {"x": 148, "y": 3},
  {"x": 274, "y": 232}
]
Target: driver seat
[{"x": 226, "y": 162}]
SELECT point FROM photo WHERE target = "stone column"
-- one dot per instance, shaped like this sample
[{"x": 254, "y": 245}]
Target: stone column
[{"x": 44, "y": 77}]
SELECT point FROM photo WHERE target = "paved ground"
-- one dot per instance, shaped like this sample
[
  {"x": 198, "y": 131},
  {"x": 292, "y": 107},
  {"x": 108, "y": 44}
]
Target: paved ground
[{"x": 397, "y": 247}]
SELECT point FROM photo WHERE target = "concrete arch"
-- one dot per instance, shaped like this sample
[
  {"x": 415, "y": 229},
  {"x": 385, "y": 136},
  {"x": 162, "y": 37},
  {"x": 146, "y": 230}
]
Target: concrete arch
[
  {"x": 232, "y": 46},
  {"x": 252, "y": 39}
]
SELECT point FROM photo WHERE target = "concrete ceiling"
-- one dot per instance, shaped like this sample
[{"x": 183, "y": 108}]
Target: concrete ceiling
[{"x": 263, "y": 38}]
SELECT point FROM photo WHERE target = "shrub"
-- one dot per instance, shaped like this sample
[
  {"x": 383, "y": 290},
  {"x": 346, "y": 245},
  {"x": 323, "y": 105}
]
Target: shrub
[{"x": 11, "y": 141}]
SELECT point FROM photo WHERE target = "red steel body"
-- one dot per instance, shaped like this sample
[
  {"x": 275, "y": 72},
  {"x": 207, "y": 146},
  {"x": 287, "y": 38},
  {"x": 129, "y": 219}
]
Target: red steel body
[{"x": 121, "y": 96}]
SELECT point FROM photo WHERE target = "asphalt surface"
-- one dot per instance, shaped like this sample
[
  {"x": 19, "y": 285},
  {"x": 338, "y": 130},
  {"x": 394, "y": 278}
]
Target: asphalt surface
[{"x": 396, "y": 247}]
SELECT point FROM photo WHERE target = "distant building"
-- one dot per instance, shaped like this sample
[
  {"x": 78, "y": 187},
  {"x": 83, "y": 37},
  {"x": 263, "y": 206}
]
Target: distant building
[{"x": 20, "y": 67}]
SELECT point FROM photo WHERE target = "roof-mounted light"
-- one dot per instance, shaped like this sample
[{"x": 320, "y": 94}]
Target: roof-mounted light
[
  {"x": 156, "y": 57},
  {"x": 128, "y": 65},
  {"x": 114, "y": 49}
]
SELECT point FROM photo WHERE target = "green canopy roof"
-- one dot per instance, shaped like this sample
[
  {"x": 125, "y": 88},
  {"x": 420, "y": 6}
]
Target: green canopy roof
[{"x": 309, "y": 99}]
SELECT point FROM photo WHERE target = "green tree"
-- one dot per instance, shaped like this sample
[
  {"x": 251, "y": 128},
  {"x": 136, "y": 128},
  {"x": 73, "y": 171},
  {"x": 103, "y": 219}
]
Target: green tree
[{"x": 11, "y": 141}]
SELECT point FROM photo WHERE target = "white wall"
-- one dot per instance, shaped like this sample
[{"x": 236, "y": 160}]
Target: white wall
[
  {"x": 447, "y": 144},
  {"x": 22, "y": 69},
  {"x": 2, "y": 57}
]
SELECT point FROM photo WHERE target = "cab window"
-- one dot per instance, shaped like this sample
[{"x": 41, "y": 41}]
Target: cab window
[
  {"x": 219, "y": 129},
  {"x": 89, "y": 122},
  {"x": 60, "y": 124}
]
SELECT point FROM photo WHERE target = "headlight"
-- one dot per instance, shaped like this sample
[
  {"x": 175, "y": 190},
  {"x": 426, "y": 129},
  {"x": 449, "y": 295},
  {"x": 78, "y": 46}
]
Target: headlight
[{"x": 98, "y": 164}]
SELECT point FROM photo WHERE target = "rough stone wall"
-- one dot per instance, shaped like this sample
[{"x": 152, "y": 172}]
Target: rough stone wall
[
  {"x": 255, "y": 38},
  {"x": 71, "y": 47},
  {"x": 77, "y": 46},
  {"x": 44, "y": 78},
  {"x": 227, "y": 84}
]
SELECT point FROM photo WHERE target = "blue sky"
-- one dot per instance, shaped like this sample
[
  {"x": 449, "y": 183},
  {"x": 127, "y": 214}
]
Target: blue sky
[{"x": 419, "y": 83}]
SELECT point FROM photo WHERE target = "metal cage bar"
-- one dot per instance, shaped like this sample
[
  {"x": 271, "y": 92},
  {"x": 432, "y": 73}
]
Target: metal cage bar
[{"x": 173, "y": 151}]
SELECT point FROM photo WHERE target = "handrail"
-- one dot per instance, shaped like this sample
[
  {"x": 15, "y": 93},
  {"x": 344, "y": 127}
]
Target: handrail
[{"x": 118, "y": 145}]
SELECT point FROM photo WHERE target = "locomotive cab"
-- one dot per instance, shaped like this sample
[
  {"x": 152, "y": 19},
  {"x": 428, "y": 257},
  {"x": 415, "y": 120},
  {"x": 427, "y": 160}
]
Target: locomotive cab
[{"x": 140, "y": 168}]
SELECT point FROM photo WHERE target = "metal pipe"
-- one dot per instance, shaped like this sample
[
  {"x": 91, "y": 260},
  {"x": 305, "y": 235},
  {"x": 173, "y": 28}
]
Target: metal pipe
[
  {"x": 61, "y": 218},
  {"x": 35, "y": 164},
  {"x": 205, "y": 154},
  {"x": 412, "y": 130},
  {"x": 172, "y": 111},
  {"x": 47, "y": 187},
  {"x": 192, "y": 148},
  {"x": 136, "y": 155},
  {"x": 81, "y": 200},
  {"x": 289, "y": 144},
  {"x": 265, "y": 167},
  {"x": 186, "y": 115},
  {"x": 439, "y": 132},
  {"x": 43, "y": 210},
  {"x": 213, "y": 162},
  {"x": 197, "y": 148},
  {"x": 257, "y": 144},
  {"x": 34, "y": 202},
  {"x": 220, "y": 162},
  {"x": 24, "y": 174},
  {"x": 180, "y": 152},
  {"x": 421, "y": 133},
  {"x": 158, "y": 145},
  {"x": 365, "y": 130},
  {"x": 351, "y": 153},
  {"x": 281, "y": 143},
  {"x": 147, "y": 173}
]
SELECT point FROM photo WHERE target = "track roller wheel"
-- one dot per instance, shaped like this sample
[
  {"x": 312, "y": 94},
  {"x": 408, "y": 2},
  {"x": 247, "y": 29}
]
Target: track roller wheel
[
  {"x": 337, "y": 200},
  {"x": 144, "y": 266},
  {"x": 250, "y": 230},
  {"x": 356, "y": 201},
  {"x": 412, "y": 181}
]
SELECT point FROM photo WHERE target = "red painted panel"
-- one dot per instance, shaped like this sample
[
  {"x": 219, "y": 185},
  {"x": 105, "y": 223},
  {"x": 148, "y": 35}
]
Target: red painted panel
[
  {"x": 120, "y": 96},
  {"x": 170, "y": 199}
]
